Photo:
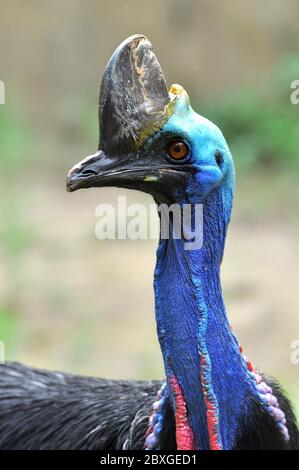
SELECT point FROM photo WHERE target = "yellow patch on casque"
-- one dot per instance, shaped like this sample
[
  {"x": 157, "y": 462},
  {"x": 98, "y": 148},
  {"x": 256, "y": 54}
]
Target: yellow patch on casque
[
  {"x": 176, "y": 89},
  {"x": 152, "y": 126}
]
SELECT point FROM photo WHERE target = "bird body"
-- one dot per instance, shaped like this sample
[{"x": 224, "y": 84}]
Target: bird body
[{"x": 212, "y": 398}]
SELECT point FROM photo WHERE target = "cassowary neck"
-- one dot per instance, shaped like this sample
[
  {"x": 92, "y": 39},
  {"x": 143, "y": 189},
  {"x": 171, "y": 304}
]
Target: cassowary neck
[{"x": 207, "y": 377}]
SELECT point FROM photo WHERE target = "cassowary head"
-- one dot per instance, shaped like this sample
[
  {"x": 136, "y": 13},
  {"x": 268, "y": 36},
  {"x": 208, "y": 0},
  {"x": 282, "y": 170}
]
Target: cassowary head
[{"x": 150, "y": 138}]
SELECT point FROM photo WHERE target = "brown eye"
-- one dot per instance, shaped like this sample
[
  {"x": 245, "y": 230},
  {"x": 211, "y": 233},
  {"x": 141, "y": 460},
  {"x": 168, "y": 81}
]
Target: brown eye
[{"x": 177, "y": 150}]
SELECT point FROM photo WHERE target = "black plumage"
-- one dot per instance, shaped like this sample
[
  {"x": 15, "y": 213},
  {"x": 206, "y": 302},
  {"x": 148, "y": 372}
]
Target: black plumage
[{"x": 53, "y": 410}]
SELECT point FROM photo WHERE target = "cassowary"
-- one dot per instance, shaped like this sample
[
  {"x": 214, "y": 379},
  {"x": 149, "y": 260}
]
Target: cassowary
[{"x": 212, "y": 397}]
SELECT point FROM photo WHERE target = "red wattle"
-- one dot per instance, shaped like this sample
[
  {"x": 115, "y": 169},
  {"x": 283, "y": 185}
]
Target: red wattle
[{"x": 184, "y": 434}]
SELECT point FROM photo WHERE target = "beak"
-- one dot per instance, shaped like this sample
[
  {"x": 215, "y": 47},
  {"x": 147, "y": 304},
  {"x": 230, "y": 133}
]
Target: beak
[
  {"x": 134, "y": 104},
  {"x": 144, "y": 173},
  {"x": 124, "y": 171}
]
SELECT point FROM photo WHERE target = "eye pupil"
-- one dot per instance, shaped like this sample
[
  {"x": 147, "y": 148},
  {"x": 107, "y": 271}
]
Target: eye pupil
[{"x": 177, "y": 150}]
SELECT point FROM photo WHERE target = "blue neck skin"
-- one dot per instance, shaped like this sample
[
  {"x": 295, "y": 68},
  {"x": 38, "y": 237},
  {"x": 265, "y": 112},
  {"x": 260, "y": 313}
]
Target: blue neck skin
[{"x": 191, "y": 319}]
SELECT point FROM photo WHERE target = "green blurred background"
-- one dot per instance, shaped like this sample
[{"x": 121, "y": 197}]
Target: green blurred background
[{"x": 69, "y": 301}]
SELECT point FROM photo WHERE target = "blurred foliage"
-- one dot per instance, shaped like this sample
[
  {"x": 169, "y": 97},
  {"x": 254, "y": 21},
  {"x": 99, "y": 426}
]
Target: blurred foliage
[
  {"x": 15, "y": 234},
  {"x": 10, "y": 329},
  {"x": 16, "y": 142},
  {"x": 261, "y": 127},
  {"x": 17, "y": 150}
]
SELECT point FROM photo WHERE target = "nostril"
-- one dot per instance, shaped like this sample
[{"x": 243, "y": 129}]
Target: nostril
[{"x": 88, "y": 172}]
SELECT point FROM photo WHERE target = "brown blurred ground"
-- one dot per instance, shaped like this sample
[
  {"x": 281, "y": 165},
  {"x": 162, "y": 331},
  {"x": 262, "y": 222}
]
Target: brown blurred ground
[{"x": 72, "y": 302}]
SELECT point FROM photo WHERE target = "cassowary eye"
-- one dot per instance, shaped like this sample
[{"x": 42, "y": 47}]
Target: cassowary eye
[{"x": 177, "y": 150}]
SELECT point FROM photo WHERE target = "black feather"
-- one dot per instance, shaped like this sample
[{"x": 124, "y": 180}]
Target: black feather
[
  {"x": 53, "y": 410},
  {"x": 260, "y": 432}
]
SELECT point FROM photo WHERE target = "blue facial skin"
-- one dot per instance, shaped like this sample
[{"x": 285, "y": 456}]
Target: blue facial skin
[
  {"x": 190, "y": 312},
  {"x": 205, "y": 140}
]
